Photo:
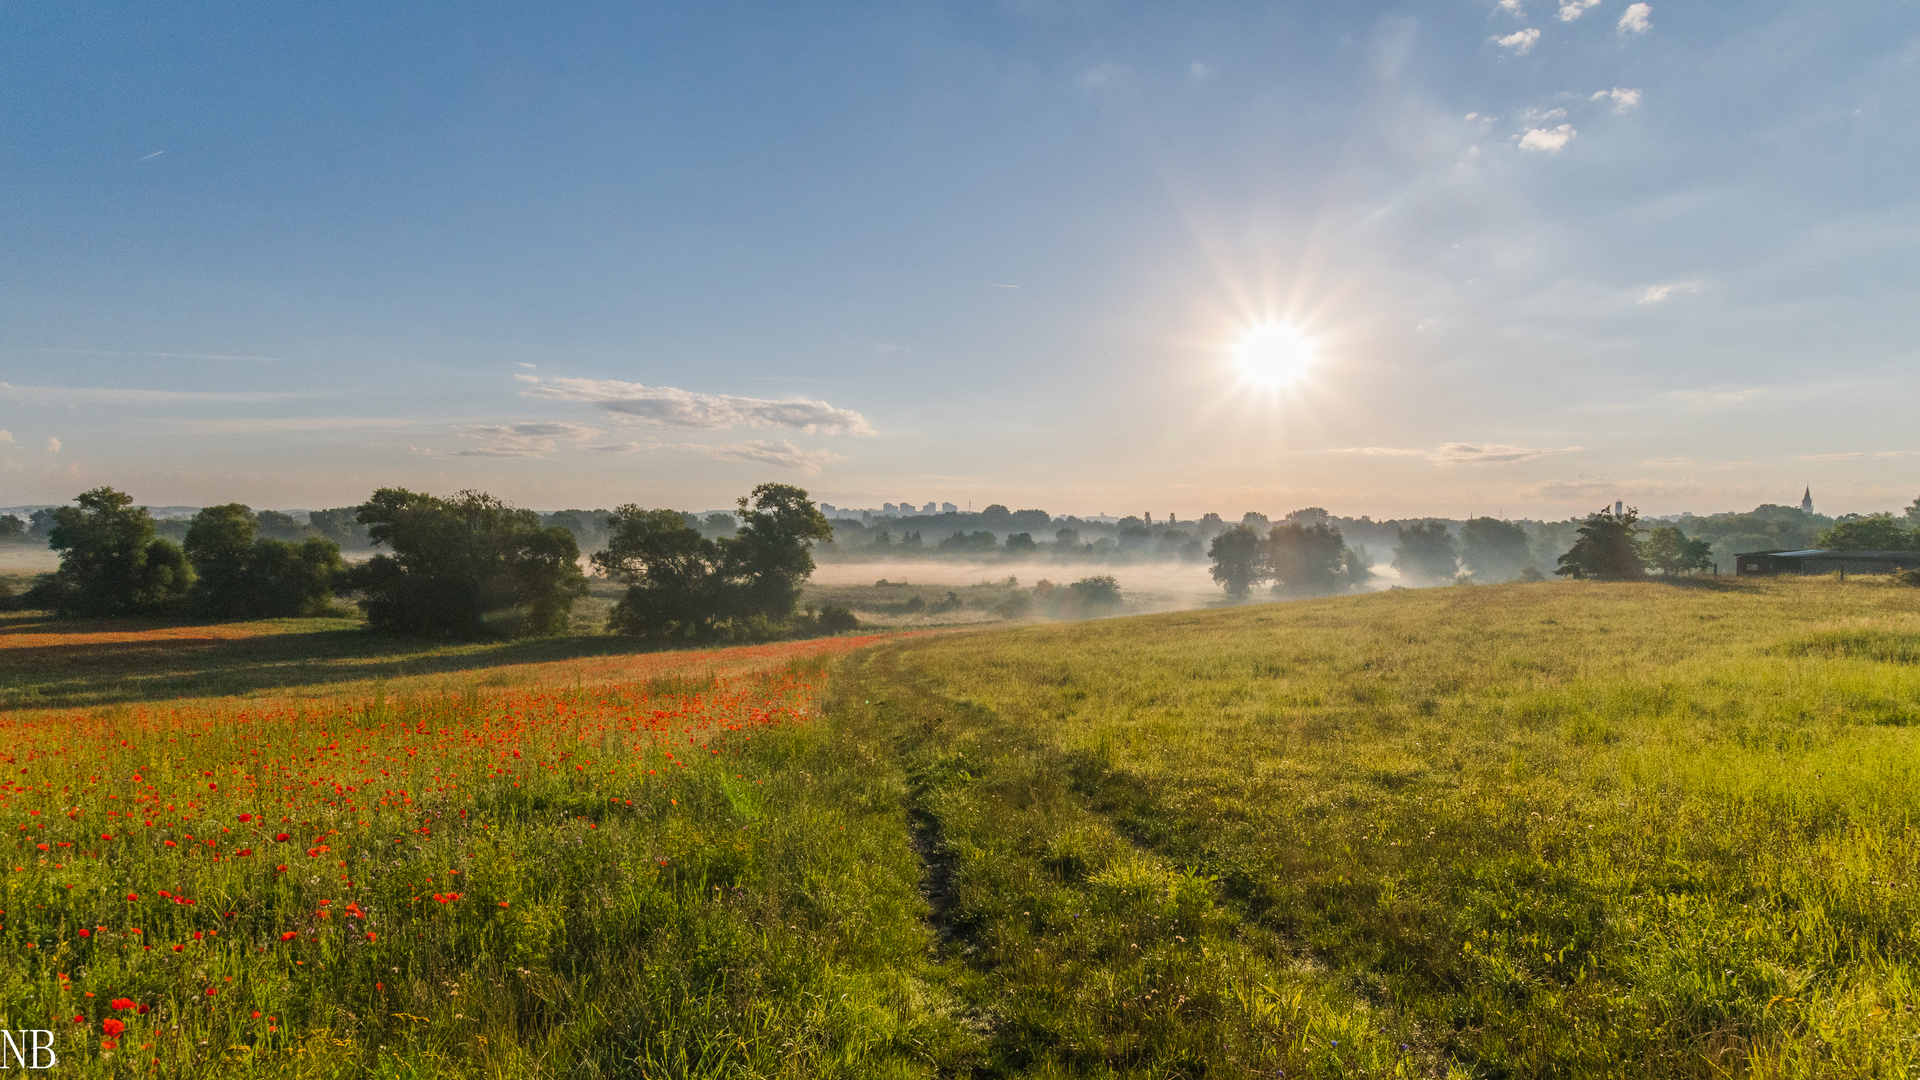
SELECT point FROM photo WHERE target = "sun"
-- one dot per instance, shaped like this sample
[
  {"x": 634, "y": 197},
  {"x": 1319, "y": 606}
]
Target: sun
[{"x": 1272, "y": 355}]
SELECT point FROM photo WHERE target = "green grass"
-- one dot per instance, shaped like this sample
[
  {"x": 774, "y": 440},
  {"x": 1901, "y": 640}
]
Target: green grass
[
  {"x": 1567, "y": 829},
  {"x": 1558, "y": 830}
]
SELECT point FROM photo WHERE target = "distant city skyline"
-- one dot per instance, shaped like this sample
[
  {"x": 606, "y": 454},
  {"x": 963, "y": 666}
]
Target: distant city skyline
[{"x": 1507, "y": 257}]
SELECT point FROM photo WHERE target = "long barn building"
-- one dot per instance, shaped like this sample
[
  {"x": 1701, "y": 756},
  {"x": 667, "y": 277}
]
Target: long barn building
[{"x": 1821, "y": 561}]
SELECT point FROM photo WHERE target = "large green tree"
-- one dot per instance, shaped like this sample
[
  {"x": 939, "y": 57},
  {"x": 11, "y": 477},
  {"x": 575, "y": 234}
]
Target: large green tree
[
  {"x": 1874, "y": 532},
  {"x": 466, "y": 567},
  {"x": 1306, "y": 560},
  {"x": 1425, "y": 553},
  {"x": 241, "y": 575},
  {"x": 1494, "y": 550},
  {"x": 111, "y": 563},
  {"x": 1239, "y": 563},
  {"x": 1608, "y": 547},
  {"x": 1668, "y": 550},
  {"x": 676, "y": 586},
  {"x": 771, "y": 556}
]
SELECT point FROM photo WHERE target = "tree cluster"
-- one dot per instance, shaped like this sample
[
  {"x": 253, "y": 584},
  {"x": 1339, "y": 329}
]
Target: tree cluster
[
  {"x": 1297, "y": 559},
  {"x": 1609, "y": 548},
  {"x": 682, "y": 584}
]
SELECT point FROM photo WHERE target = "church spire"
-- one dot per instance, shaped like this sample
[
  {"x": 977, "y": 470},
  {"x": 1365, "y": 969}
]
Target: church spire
[{"x": 1806, "y": 501}]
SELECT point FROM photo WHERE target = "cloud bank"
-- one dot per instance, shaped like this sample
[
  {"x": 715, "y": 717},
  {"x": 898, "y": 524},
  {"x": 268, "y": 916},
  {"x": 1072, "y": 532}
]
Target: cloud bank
[{"x": 665, "y": 406}]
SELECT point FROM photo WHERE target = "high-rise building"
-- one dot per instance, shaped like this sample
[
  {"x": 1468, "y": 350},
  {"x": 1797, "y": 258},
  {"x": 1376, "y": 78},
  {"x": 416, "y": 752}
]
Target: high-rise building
[{"x": 927, "y": 509}]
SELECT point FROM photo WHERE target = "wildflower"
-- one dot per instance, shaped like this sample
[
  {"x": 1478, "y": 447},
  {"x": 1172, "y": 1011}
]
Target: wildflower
[
  {"x": 112, "y": 1027},
  {"x": 371, "y": 936},
  {"x": 256, "y": 1014},
  {"x": 244, "y": 818},
  {"x": 86, "y": 933},
  {"x": 289, "y": 935},
  {"x": 211, "y": 991},
  {"x": 120, "y": 1003},
  {"x": 281, "y": 838},
  {"x": 503, "y": 903},
  {"x": 133, "y": 896}
]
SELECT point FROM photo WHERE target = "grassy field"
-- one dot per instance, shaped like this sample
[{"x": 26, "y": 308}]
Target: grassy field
[{"x": 1566, "y": 829}]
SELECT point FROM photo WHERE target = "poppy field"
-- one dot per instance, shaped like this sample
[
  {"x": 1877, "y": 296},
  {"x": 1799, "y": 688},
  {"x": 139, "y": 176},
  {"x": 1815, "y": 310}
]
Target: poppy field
[{"x": 424, "y": 877}]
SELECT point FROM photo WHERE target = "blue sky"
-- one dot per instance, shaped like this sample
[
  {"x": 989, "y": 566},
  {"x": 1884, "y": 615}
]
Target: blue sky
[{"x": 1548, "y": 254}]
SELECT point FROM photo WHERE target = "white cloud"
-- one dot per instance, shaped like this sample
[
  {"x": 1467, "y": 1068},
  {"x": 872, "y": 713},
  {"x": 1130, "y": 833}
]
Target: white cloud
[
  {"x": 1461, "y": 453},
  {"x": 1531, "y": 115},
  {"x": 6, "y": 436},
  {"x": 1860, "y": 455},
  {"x": 1657, "y": 293},
  {"x": 1548, "y": 140},
  {"x": 1511, "y": 7},
  {"x": 1573, "y": 9},
  {"x": 1637, "y": 20},
  {"x": 53, "y": 445},
  {"x": 1521, "y": 42},
  {"x": 1623, "y": 99},
  {"x": 522, "y": 440},
  {"x": 666, "y": 406}
]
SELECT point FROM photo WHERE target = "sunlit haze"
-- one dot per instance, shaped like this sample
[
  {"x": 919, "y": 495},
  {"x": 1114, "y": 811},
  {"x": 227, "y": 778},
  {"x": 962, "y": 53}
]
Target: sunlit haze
[{"x": 1508, "y": 258}]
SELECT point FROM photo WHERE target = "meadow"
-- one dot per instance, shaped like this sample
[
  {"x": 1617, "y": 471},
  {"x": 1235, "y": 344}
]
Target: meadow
[{"x": 1566, "y": 829}]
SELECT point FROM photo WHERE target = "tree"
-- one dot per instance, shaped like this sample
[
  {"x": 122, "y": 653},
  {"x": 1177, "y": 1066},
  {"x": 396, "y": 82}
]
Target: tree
[
  {"x": 12, "y": 528},
  {"x": 1874, "y": 532},
  {"x": 276, "y": 525},
  {"x": 110, "y": 561},
  {"x": 1425, "y": 553},
  {"x": 465, "y": 567},
  {"x": 1238, "y": 561},
  {"x": 240, "y": 575},
  {"x": 1668, "y": 550},
  {"x": 675, "y": 583},
  {"x": 1494, "y": 550},
  {"x": 772, "y": 555},
  {"x": 1913, "y": 514},
  {"x": 340, "y": 525},
  {"x": 1608, "y": 547},
  {"x": 1021, "y": 544},
  {"x": 1306, "y": 560}
]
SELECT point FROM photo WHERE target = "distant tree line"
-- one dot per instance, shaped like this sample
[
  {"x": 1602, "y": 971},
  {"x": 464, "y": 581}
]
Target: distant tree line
[{"x": 464, "y": 567}]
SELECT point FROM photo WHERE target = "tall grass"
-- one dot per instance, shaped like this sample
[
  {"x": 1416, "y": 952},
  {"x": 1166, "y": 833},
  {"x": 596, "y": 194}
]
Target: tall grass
[{"x": 1562, "y": 830}]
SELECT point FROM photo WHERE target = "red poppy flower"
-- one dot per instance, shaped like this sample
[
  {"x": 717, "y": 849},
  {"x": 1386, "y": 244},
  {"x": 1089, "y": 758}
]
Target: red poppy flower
[
  {"x": 281, "y": 838},
  {"x": 244, "y": 818},
  {"x": 121, "y": 1003},
  {"x": 211, "y": 991},
  {"x": 289, "y": 935},
  {"x": 133, "y": 896},
  {"x": 86, "y": 933},
  {"x": 112, "y": 1026}
]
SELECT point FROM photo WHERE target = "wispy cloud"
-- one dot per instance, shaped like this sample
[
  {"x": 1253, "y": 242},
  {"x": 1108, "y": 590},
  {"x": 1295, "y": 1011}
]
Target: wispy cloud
[
  {"x": 132, "y": 396},
  {"x": 666, "y": 406},
  {"x": 1520, "y": 42},
  {"x": 1573, "y": 9},
  {"x": 1637, "y": 20},
  {"x": 1548, "y": 140},
  {"x": 1511, "y": 7},
  {"x": 522, "y": 440},
  {"x": 1623, "y": 98},
  {"x": 1462, "y": 453},
  {"x": 53, "y": 445},
  {"x": 1861, "y": 455},
  {"x": 6, "y": 436},
  {"x": 1656, "y": 294},
  {"x": 149, "y": 157},
  {"x": 782, "y": 454},
  {"x": 147, "y": 352}
]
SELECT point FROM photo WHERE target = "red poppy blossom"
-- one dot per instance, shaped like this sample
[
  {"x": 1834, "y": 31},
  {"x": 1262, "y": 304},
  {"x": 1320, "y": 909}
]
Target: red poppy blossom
[
  {"x": 281, "y": 838},
  {"x": 289, "y": 935},
  {"x": 112, "y": 1026}
]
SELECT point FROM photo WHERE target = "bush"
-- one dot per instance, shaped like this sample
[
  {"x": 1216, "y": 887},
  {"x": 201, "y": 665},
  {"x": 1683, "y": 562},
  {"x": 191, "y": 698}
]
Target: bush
[{"x": 835, "y": 619}]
